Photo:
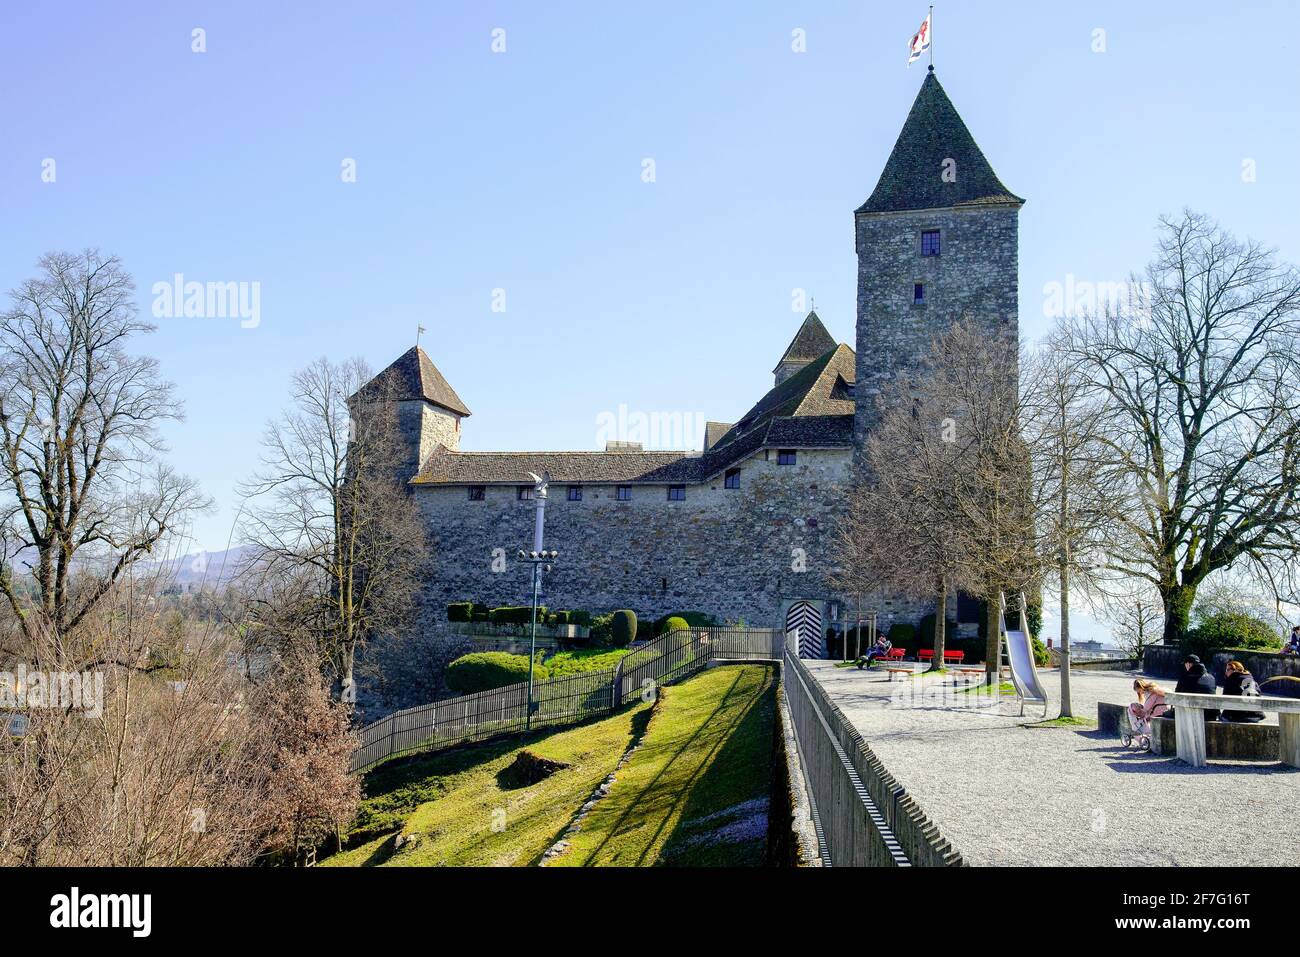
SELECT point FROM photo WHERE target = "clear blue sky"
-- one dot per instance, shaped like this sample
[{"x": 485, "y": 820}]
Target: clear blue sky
[{"x": 522, "y": 171}]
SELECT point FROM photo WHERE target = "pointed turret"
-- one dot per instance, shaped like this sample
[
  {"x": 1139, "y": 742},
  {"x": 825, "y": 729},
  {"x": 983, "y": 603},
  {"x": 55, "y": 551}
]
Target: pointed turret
[
  {"x": 428, "y": 409},
  {"x": 812, "y": 341},
  {"x": 936, "y": 164}
]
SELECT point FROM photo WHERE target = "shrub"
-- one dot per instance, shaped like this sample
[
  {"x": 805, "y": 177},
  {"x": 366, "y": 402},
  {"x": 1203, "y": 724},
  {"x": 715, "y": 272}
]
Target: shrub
[
  {"x": 602, "y": 629},
  {"x": 560, "y": 618},
  {"x": 973, "y": 649},
  {"x": 485, "y": 670},
  {"x": 582, "y": 618},
  {"x": 1228, "y": 628},
  {"x": 674, "y": 624},
  {"x": 480, "y": 614},
  {"x": 1041, "y": 657},
  {"x": 516, "y": 615},
  {"x": 460, "y": 611},
  {"x": 623, "y": 628},
  {"x": 902, "y": 634},
  {"x": 693, "y": 619}
]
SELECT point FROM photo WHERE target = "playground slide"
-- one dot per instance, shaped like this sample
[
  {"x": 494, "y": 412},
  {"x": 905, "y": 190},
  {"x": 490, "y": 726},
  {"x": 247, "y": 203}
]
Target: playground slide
[{"x": 1024, "y": 673}]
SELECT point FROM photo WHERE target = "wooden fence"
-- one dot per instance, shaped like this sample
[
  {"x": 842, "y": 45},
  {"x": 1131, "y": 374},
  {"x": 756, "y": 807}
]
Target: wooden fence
[{"x": 557, "y": 701}]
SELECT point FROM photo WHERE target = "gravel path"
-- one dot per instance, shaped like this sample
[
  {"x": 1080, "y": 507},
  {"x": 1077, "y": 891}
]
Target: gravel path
[{"x": 1011, "y": 795}]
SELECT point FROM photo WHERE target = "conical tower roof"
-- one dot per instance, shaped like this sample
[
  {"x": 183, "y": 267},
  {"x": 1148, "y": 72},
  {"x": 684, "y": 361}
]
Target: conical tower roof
[
  {"x": 933, "y": 135},
  {"x": 414, "y": 376},
  {"x": 812, "y": 341}
]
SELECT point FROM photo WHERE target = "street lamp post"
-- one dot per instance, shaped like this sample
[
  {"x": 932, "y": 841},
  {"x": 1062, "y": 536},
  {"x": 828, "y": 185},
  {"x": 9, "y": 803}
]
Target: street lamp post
[{"x": 541, "y": 560}]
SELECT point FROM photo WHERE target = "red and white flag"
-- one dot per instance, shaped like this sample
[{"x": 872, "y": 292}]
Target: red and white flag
[{"x": 920, "y": 42}]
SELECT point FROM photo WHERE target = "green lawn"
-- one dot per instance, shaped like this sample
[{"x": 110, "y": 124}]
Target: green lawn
[
  {"x": 465, "y": 816},
  {"x": 695, "y": 790},
  {"x": 694, "y": 793}
]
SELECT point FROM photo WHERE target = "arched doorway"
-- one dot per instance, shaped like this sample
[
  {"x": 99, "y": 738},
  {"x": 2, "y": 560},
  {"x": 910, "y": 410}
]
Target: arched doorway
[{"x": 805, "y": 618}]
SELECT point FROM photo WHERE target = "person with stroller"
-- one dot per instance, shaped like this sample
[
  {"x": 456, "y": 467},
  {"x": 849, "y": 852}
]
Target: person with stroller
[
  {"x": 1238, "y": 681},
  {"x": 1150, "y": 704},
  {"x": 881, "y": 648}
]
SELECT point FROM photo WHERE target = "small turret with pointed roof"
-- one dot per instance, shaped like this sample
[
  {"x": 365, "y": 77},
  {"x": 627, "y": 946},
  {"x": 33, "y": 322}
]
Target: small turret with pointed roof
[
  {"x": 812, "y": 341},
  {"x": 428, "y": 409},
  {"x": 937, "y": 242}
]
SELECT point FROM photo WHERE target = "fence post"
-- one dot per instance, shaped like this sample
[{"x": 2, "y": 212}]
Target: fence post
[{"x": 617, "y": 684}]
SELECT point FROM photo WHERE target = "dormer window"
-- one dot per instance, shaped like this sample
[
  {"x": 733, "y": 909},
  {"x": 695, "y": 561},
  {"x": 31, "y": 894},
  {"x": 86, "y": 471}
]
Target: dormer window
[{"x": 930, "y": 242}]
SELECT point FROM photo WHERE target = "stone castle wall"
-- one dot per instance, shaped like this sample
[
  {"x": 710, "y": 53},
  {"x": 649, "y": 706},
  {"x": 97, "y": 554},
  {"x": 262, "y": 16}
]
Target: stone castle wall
[{"x": 729, "y": 552}]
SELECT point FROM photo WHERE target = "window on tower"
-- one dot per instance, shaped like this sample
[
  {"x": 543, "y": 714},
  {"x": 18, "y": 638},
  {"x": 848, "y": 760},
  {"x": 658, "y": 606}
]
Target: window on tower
[
  {"x": 918, "y": 294},
  {"x": 930, "y": 242}
]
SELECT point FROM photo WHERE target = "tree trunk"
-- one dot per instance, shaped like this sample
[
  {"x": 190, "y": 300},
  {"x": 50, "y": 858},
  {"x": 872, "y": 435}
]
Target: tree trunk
[
  {"x": 940, "y": 623},
  {"x": 1177, "y": 600},
  {"x": 1065, "y": 638},
  {"x": 992, "y": 639}
]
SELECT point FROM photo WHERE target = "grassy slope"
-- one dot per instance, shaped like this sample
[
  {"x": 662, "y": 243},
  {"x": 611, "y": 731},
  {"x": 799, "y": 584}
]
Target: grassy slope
[
  {"x": 452, "y": 799},
  {"x": 707, "y": 751}
]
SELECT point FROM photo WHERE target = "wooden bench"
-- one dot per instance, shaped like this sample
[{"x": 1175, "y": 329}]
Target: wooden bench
[
  {"x": 955, "y": 657},
  {"x": 898, "y": 671},
  {"x": 1189, "y": 722}
]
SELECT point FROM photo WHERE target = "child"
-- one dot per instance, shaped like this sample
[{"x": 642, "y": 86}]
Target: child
[{"x": 1150, "y": 704}]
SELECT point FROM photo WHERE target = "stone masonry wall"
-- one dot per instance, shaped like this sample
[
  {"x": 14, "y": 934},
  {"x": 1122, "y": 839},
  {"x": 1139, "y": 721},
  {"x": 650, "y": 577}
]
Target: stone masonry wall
[
  {"x": 974, "y": 275},
  {"x": 727, "y": 552}
]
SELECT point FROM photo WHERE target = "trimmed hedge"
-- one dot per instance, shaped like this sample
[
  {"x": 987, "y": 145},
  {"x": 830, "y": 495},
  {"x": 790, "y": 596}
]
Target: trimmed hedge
[
  {"x": 516, "y": 615},
  {"x": 460, "y": 611},
  {"x": 623, "y": 628},
  {"x": 674, "y": 624},
  {"x": 693, "y": 619},
  {"x": 485, "y": 670},
  {"x": 902, "y": 634}
]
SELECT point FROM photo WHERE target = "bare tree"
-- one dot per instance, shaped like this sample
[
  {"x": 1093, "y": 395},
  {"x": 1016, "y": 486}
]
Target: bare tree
[
  {"x": 1074, "y": 488},
  {"x": 900, "y": 527},
  {"x": 329, "y": 518},
  {"x": 1136, "y": 622},
  {"x": 84, "y": 495},
  {"x": 1200, "y": 400}
]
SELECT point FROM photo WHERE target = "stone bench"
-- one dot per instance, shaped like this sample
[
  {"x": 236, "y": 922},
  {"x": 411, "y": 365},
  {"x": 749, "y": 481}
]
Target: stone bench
[
  {"x": 1190, "y": 735},
  {"x": 1226, "y": 740}
]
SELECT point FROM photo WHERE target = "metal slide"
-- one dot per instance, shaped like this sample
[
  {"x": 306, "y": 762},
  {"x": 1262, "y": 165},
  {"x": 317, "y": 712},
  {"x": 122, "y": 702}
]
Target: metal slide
[{"x": 1020, "y": 655}]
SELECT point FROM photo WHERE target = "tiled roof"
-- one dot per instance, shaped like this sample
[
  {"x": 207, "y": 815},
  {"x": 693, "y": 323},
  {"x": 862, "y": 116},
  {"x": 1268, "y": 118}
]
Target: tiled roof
[
  {"x": 933, "y": 135},
  {"x": 414, "y": 376},
  {"x": 805, "y": 411},
  {"x": 811, "y": 341},
  {"x": 714, "y": 431}
]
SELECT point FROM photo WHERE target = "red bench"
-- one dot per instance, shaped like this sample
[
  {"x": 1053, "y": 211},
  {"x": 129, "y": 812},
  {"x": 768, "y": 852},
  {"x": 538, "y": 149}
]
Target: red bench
[{"x": 956, "y": 657}]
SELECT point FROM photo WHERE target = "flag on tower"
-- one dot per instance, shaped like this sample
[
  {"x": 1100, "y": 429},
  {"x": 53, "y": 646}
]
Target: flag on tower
[{"x": 920, "y": 42}]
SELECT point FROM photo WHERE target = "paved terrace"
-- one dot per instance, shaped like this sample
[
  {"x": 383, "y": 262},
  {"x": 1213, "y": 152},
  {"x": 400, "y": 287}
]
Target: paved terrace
[{"x": 1010, "y": 795}]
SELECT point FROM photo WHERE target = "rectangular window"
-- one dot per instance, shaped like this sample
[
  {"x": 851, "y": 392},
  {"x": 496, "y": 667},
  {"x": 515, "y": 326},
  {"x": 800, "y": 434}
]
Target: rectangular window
[
  {"x": 930, "y": 242},
  {"x": 477, "y": 493},
  {"x": 524, "y": 492},
  {"x": 731, "y": 479},
  {"x": 623, "y": 493},
  {"x": 785, "y": 457},
  {"x": 918, "y": 294},
  {"x": 575, "y": 493},
  {"x": 676, "y": 493}
]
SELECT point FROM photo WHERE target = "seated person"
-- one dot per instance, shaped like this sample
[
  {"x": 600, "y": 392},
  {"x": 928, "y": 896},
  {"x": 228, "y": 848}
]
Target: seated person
[
  {"x": 1150, "y": 704},
  {"x": 1196, "y": 680},
  {"x": 1239, "y": 681},
  {"x": 1292, "y": 646},
  {"x": 878, "y": 650}
]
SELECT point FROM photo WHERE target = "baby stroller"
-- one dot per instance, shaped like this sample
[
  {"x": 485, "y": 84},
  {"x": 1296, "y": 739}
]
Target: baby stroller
[{"x": 1135, "y": 731}]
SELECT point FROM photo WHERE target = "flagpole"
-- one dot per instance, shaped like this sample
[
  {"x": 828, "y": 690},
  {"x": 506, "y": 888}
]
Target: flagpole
[{"x": 932, "y": 38}]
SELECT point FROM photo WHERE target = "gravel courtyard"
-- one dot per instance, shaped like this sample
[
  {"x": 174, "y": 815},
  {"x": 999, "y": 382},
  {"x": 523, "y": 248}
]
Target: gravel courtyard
[{"x": 1010, "y": 795}]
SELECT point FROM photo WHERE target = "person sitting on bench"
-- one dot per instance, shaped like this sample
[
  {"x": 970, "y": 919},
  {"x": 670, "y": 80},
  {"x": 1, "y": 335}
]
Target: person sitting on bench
[
  {"x": 1196, "y": 680},
  {"x": 1292, "y": 646},
  {"x": 878, "y": 650},
  {"x": 1239, "y": 681}
]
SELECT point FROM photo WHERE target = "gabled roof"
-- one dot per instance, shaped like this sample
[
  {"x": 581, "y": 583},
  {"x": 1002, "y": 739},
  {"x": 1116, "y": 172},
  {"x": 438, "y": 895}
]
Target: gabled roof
[
  {"x": 934, "y": 134},
  {"x": 414, "y": 376},
  {"x": 714, "y": 431},
  {"x": 811, "y": 409},
  {"x": 818, "y": 389},
  {"x": 811, "y": 341}
]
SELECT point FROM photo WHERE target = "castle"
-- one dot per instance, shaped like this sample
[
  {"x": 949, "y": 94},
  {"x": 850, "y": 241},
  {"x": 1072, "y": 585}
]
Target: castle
[{"x": 742, "y": 529}]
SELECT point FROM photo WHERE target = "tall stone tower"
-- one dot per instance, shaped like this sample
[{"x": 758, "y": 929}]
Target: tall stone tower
[{"x": 937, "y": 241}]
